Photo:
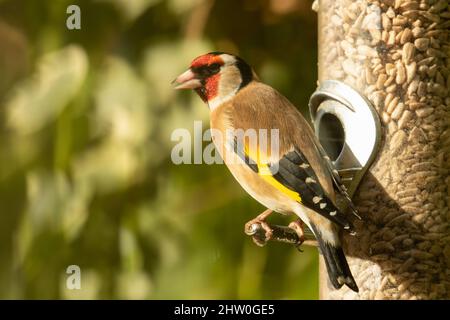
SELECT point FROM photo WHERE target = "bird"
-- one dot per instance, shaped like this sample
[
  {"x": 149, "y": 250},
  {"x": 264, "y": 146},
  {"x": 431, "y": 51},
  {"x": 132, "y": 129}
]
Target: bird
[{"x": 288, "y": 172}]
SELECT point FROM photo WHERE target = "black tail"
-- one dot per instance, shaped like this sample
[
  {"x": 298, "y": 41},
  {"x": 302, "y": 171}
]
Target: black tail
[{"x": 337, "y": 267}]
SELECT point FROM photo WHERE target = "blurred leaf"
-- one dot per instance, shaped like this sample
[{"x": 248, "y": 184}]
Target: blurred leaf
[
  {"x": 183, "y": 6},
  {"x": 23, "y": 240},
  {"x": 130, "y": 252},
  {"x": 122, "y": 119},
  {"x": 182, "y": 116},
  {"x": 132, "y": 282},
  {"x": 134, "y": 285},
  {"x": 76, "y": 211},
  {"x": 131, "y": 9},
  {"x": 95, "y": 168},
  {"x": 47, "y": 195},
  {"x": 122, "y": 110},
  {"x": 41, "y": 98}
]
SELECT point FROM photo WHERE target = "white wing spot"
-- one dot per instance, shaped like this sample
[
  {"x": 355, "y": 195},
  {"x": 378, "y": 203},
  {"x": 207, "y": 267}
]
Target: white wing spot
[
  {"x": 310, "y": 180},
  {"x": 317, "y": 199},
  {"x": 304, "y": 166},
  {"x": 333, "y": 213},
  {"x": 323, "y": 205}
]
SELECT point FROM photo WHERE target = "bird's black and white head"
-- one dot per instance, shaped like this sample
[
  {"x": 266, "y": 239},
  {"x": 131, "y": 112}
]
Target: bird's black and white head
[{"x": 216, "y": 77}]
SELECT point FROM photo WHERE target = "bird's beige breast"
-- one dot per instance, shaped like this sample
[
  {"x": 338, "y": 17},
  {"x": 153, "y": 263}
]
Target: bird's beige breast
[{"x": 250, "y": 181}]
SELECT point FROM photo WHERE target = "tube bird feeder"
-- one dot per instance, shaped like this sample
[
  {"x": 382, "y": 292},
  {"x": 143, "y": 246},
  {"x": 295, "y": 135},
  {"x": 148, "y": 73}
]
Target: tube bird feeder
[{"x": 396, "y": 55}]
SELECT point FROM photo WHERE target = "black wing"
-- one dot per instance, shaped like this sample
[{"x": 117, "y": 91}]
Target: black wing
[{"x": 295, "y": 172}]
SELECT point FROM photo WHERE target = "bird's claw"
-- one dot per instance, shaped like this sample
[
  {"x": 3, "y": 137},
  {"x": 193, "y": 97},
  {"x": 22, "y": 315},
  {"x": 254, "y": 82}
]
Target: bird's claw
[
  {"x": 255, "y": 227},
  {"x": 261, "y": 232},
  {"x": 297, "y": 226},
  {"x": 259, "y": 238}
]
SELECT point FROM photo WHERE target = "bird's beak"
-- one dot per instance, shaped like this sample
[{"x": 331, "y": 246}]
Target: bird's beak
[{"x": 187, "y": 80}]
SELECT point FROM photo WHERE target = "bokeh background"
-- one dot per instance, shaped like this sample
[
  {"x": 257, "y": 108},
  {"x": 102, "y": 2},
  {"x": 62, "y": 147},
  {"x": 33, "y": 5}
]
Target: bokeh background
[{"x": 85, "y": 171}]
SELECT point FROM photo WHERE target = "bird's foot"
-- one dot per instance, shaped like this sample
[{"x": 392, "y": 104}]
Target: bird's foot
[{"x": 253, "y": 226}]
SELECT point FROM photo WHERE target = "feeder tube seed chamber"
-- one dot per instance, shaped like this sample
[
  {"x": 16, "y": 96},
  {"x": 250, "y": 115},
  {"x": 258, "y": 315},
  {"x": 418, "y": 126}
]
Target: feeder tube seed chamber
[{"x": 395, "y": 53}]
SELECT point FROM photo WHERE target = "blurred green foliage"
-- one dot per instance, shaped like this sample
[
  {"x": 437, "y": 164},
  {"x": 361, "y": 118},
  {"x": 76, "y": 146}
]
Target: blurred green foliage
[{"x": 85, "y": 171}]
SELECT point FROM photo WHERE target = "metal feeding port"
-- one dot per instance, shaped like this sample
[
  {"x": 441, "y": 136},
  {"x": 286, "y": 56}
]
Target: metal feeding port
[{"x": 348, "y": 128}]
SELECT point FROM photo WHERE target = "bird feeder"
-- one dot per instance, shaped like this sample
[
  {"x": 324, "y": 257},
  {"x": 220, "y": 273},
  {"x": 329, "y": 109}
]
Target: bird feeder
[{"x": 389, "y": 60}]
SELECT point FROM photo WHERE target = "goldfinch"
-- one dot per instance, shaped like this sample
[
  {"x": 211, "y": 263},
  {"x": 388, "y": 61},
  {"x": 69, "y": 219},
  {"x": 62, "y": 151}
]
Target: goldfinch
[{"x": 287, "y": 172}]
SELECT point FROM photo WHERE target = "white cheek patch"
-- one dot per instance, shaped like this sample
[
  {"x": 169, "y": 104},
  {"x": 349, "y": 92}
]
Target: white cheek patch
[
  {"x": 227, "y": 59},
  {"x": 219, "y": 99}
]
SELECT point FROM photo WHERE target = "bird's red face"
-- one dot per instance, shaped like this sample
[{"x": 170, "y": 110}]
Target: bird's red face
[
  {"x": 203, "y": 76},
  {"x": 216, "y": 77}
]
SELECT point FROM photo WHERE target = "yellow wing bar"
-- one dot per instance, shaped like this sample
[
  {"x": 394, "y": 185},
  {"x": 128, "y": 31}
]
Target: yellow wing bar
[{"x": 264, "y": 172}]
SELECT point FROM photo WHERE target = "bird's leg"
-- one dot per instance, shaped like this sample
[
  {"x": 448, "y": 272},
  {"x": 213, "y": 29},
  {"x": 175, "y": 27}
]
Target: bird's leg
[
  {"x": 296, "y": 233},
  {"x": 253, "y": 224}
]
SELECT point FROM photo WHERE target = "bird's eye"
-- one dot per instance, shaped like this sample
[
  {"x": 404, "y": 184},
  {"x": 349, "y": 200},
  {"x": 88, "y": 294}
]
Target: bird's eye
[
  {"x": 214, "y": 68},
  {"x": 207, "y": 71}
]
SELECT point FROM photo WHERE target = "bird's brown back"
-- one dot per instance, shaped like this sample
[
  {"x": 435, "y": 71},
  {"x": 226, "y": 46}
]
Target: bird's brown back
[{"x": 259, "y": 106}]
